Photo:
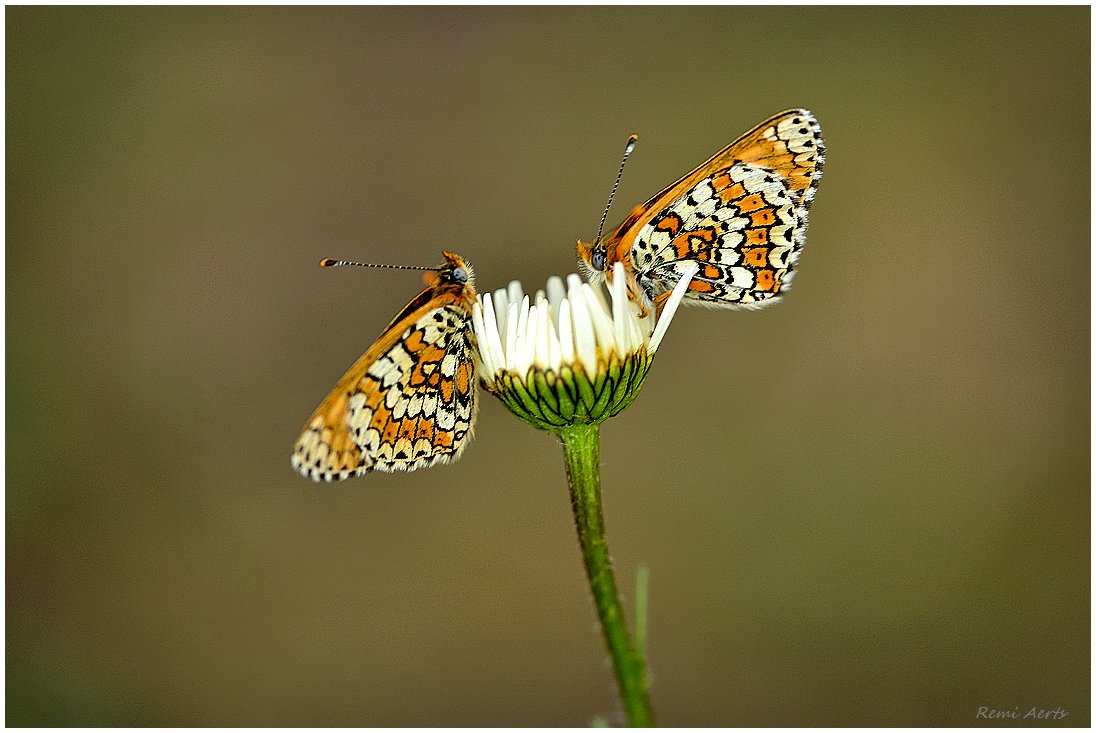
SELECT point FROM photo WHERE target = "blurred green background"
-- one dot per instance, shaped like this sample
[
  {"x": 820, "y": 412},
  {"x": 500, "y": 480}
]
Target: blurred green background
[{"x": 868, "y": 505}]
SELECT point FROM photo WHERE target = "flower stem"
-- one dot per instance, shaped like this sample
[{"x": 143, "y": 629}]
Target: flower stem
[{"x": 581, "y": 452}]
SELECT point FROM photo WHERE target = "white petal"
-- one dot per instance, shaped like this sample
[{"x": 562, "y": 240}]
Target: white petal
[
  {"x": 601, "y": 320},
  {"x": 493, "y": 338},
  {"x": 554, "y": 348},
  {"x": 599, "y": 294},
  {"x": 672, "y": 302},
  {"x": 518, "y": 356},
  {"x": 511, "y": 335},
  {"x": 585, "y": 342},
  {"x": 514, "y": 293},
  {"x": 542, "y": 356},
  {"x": 620, "y": 322},
  {"x": 556, "y": 294},
  {"x": 520, "y": 363},
  {"x": 638, "y": 329},
  {"x": 481, "y": 338},
  {"x": 566, "y": 333},
  {"x": 501, "y": 302},
  {"x": 529, "y": 351}
]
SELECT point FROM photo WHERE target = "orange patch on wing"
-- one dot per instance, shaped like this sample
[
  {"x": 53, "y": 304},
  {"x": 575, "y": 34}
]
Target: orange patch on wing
[
  {"x": 426, "y": 370},
  {"x": 334, "y": 417},
  {"x": 341, "y": 442},
  {"x": 463, "y": 378},
  {"x": 443, "y": 439},
  {"x": 765, "y": 280},
  {"x": 682, "y": 248},
  {"x": 797, "y": 181},
  {"x": 732, "y": 193},
  {"x": 721, "y": 180},
  {"x": 432, "y": 353},
  {"x": 669, "y": 224},
  {"x": 346, "y": 460},
  {"x": 414, "y": 342},
  {"x": 425, "y": 428},
  {"x": 753, "y": 202},
  {"x": 704, "y": 235},
  {"x": 757, "y": 236},
  {"x": 711, "y": 272},
  {"x": 756, "y": 257},
  {"x": 381, "y": 418},
  {"x": 376, "y": 396},
  {"x": 763, "y": 217},
  {"x": 391, "y": 432},
  {"x": 420, "y": 374},
  {"x": 701, "y": 286},
  {"x": 446, "y": 389}
]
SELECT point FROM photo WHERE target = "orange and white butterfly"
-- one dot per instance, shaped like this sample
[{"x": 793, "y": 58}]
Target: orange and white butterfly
[
  {"x": 741, "y": 217},
  {"x": 410, "y": 400}
]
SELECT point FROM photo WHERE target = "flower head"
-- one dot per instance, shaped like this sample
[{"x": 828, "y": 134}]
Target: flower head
[{"x": 568, "y": 356}]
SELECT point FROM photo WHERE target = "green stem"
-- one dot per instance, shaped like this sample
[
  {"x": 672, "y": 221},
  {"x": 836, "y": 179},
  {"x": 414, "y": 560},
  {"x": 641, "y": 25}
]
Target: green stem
[{"x": 581, "y": 451}]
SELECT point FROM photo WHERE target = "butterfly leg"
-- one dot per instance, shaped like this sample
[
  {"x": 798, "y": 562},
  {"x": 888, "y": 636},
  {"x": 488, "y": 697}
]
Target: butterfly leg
[{"x": 660, "y": 303}]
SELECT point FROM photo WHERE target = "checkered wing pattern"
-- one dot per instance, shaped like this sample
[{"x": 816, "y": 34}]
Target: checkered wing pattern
[
  {"x": 741, "y": 225},
  {"x": 741, "y": 216},
  {"x": 408, "y": 402}
]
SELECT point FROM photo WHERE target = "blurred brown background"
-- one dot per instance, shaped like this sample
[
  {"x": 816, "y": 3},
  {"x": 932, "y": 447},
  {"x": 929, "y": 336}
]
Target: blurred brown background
[{"x": 868, "y": 505}]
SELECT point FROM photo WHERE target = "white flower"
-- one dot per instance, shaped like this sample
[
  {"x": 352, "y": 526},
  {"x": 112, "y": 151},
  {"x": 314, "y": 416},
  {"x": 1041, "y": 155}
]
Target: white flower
[{"x": 550, "y": 358}]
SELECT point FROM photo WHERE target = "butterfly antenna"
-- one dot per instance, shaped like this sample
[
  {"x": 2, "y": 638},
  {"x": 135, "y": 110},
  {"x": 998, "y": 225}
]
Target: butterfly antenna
[
  {"x": 329, "y": 262},
  {"x": 628, "y": 148}
]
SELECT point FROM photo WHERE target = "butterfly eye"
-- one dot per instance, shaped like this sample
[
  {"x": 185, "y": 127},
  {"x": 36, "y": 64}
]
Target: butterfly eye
[
  {"x": 597, "y": 259},
  {"x": 460, "y": 275}
]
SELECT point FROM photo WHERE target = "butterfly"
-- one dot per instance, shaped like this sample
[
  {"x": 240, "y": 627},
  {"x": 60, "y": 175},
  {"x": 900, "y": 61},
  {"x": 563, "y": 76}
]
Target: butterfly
[
  {"x": 410, "y": 400},
  {"x": 741, "y": 217}
]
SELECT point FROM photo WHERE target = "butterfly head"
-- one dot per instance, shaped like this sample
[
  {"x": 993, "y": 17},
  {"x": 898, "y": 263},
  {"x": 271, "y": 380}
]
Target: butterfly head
[
  {"x": 596, "y": 264},
  {"x": 455, "y": 271},
  {"x": 593, "y": 260}
]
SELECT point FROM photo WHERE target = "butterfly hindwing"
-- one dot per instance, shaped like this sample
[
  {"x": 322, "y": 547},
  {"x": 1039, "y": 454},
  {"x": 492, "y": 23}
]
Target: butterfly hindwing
[
  {"x": 742, "y": 227},
  {"x": 408, "y": 402},
  {"x": 741, "y": 216}
]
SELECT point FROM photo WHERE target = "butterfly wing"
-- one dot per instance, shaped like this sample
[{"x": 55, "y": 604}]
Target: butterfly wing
[
  {"x": 742, "y": 216},
  {"x": 408, "y": 402}
]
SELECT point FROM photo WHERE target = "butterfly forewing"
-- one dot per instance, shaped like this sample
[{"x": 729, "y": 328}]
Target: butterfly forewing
[
  {"x": 740, "y": 225},
  {"x": 408, "y": 402},
  {"x": 741, "y": 216}
]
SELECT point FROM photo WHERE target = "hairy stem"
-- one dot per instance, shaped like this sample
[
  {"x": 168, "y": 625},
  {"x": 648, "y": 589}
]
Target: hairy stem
[{"x": 581, "y": 451}]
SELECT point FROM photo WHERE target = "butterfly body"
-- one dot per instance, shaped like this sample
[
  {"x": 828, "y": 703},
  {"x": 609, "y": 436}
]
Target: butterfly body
[
  {"x": 741, "y": 217},
  {"x": 409, "y": 401}
]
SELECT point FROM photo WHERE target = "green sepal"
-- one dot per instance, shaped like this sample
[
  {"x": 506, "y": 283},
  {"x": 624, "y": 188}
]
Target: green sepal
[
  {"x": 586, "y": 396},
  {"x": 547, "y": 400},
  {"x": 565, "y": 396},
  {"x": 552, "y": 401}
]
